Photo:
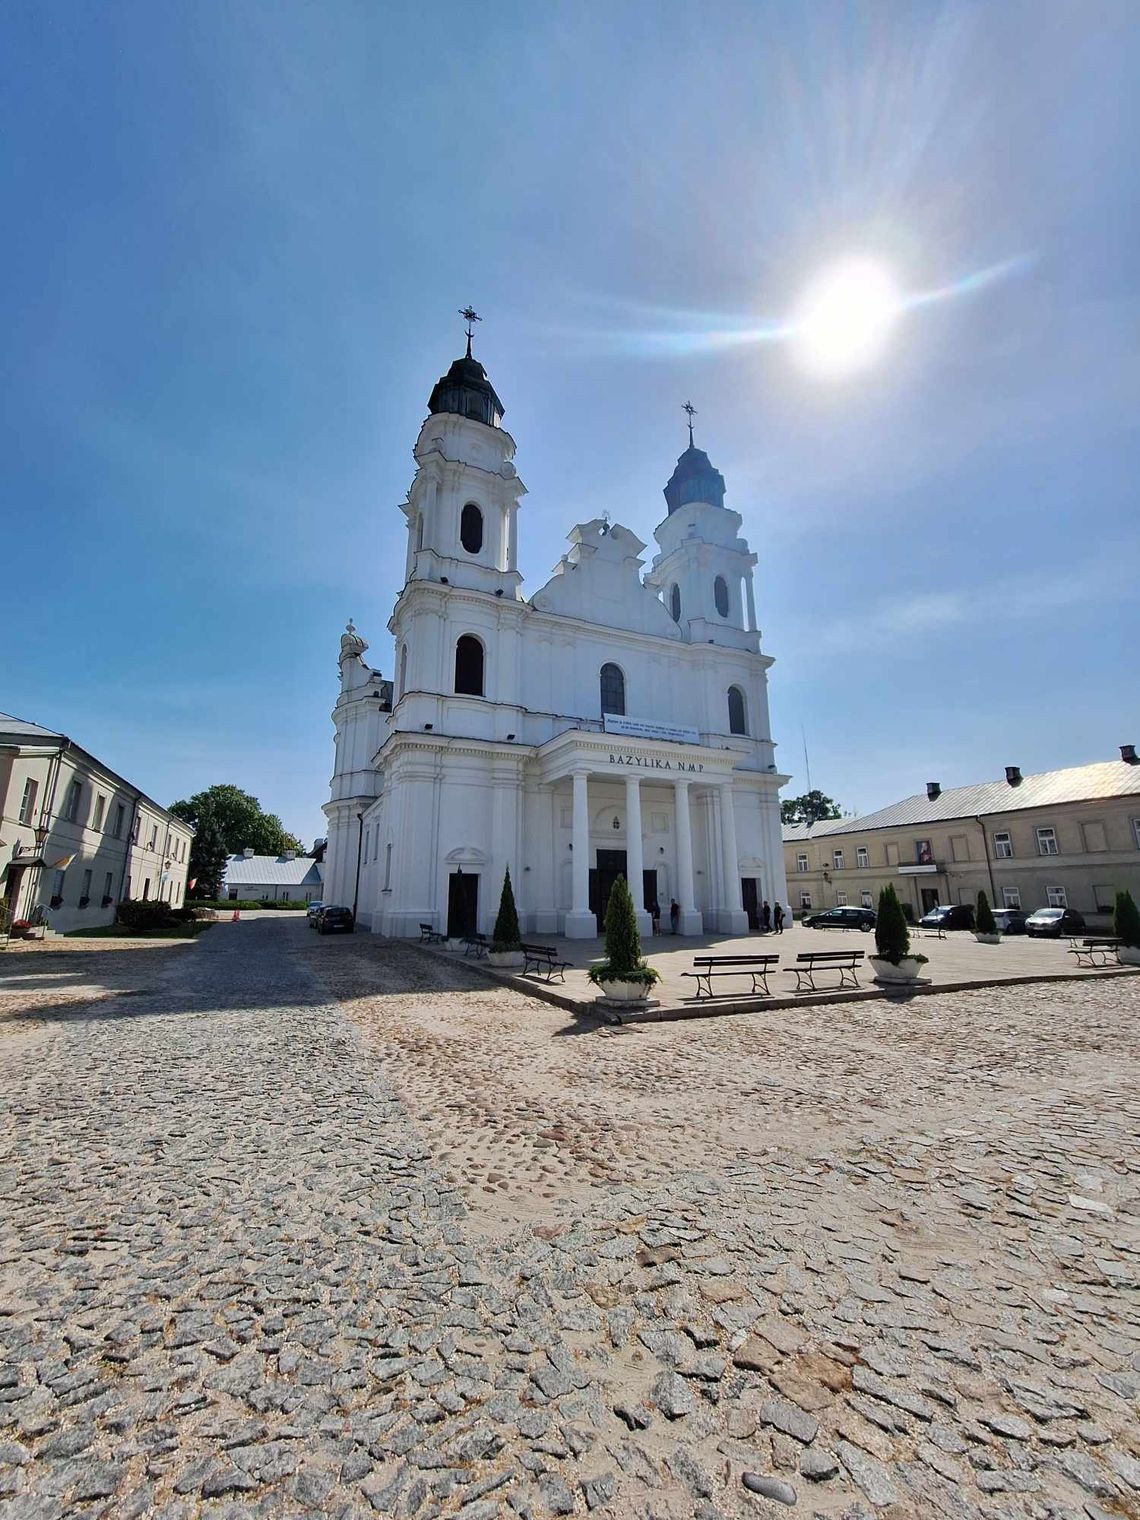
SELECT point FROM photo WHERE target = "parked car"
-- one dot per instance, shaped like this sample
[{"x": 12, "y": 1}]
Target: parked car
[
  {"x": 948, "y": 916},
  {"x": 841, "y": 918},
  {"x": 313, "y": 912},
  {"x": 1053, "y": 922},
  {"x": 333, "y": 919},
  {"x": 1009, "y": 920}
]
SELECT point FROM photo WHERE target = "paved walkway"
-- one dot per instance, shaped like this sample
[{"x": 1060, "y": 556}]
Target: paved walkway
[{"x": 257, "y": 1256}]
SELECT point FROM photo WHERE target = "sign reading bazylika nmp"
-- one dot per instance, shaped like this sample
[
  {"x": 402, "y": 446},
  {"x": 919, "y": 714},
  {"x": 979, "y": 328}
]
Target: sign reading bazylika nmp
[
  {"x": 636, "y": 728},
  {"x": 654, "y": 762}
]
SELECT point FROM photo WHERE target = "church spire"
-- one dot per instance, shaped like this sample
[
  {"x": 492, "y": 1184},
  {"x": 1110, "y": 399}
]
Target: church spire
[
  {"x": 465, "y": 388},
  {"x": 471, "y": 315}
]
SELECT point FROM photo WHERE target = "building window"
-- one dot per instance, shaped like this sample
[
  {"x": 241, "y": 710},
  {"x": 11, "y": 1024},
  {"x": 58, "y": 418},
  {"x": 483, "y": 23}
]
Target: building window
[
  {"x": 1003, "y": 846},
  {"x": 1095, "y": 837},
  {"x": 469, "y": 666},
  {"x": 1058, "y": 898},
  {"x": 120, "y": 819},
  {"x": 613, "y": 690},
  {"x": 675, "y": 602},
  {"x": 862, "y": 858},
  {"x": 471, "y": 528},
  {"x": 923, "y": 853},
  {"x": 100, "y": 809},
  {"x": 841, "y": 899},
  {"x": 28, "y": 801},
  {"x": 805, "y": 900},
  {"x": 108, "y": 888},
  {"x": 1047, "y": 845},
  {"x": 71, "y": 806},
  {"x": 1136, "y": 832},
  {"x": 146, "y": 889},
  {"x": 85, "y": 890},
  {"x": 837, "y": 860},
  {"x": 737, "y": 717},
  {"x": 801, "y": 863},
  {"x": 865, "y": 899},
  {"x": 1011, "y": 897},
  {"x": 59, "y": 881},
  {"x": 153, "y": 837},
  {"x": 387, "y": 866},
  {"x": 892, "y": 854},
  {"x": 720, "y": 595},
  {"x": 1104, "y": 898}
]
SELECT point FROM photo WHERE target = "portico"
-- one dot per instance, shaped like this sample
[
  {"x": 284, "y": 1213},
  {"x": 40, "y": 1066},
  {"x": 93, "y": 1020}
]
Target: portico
[{"x": 676, "y": 777}]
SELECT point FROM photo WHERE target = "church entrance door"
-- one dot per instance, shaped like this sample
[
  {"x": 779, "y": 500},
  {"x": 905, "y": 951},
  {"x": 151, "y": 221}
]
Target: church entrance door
[
  {"x": 649, "y": 890},
  {"x": 462, "y": 904},
  {"x": 749, "y": 895},
  {"x": 611, "y": 865}
]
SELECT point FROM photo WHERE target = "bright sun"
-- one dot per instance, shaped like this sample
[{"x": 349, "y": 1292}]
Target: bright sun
[{"x": 845, "y": 318}]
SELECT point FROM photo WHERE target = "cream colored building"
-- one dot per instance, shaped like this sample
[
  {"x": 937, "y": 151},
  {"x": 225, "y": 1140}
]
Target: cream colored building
[
  {"x": 1068, "y": 838},
  {"x": 75, "y": 838}
]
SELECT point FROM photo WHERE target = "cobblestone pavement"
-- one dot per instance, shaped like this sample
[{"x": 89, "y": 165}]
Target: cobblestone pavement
[{"x": 301, "y": 1226}]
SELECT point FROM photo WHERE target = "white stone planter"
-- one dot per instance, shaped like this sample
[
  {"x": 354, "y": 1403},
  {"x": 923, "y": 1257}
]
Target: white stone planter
[
  {"x": 623, "y": 992},
  {"x": 1128, "y": 955},
  {"x": 505, "y": 960},
  {"x": 887, "y": 974},
  {"x": 988, "y": 939}
]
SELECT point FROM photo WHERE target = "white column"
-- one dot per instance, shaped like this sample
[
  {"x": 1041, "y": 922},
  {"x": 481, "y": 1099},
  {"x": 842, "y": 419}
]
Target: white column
[
  {"x": 751, "y": 601},
  {"x": 734, "y": 918},
  {"x": 690, "y": 919},
  {"x": 512, "y": 539},
  {"x": 634, "y": 857},
  {"x": 580, "y": 922}
]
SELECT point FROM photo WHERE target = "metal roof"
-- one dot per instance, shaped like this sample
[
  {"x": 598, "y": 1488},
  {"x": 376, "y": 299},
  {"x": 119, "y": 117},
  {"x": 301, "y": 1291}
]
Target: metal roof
[
  {"x": 272, "y": 870},
  {"x": 17, "y": 728},
  {"x": 1078, "y": 783}
]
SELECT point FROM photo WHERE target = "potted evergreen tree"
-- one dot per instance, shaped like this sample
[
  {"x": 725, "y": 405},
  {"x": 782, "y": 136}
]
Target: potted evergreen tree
[
  {"x": 506, "y": 942},
  {"x": 623, "y": 976},
  {"x": 893, "y": 963},
  {"x": 985, "y": 927},
  {"x": 1126, "y": 923}
]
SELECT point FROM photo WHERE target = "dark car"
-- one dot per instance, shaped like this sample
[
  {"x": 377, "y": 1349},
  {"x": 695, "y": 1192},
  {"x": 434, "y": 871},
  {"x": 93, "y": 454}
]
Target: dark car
[
  {"x": 948, "y": 916},
  {"x": 842, "y": 918},
  {"x": 1009, "y": 920},
  {"x": 1053, "y": 922},
  {"x": 313, "y": 912},
  {"x": 335, "y": 920}
]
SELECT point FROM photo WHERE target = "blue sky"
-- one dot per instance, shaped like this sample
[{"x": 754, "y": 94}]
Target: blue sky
[{"x": 235, "y": 241}]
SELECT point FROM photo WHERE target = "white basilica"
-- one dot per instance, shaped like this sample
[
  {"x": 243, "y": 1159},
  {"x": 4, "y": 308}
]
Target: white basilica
[{"x": 611, "y": 724}]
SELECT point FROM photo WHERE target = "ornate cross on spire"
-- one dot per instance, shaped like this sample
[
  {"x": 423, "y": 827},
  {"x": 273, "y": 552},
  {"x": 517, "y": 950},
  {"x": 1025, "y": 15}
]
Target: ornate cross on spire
[
  {"x": 471, "y": 315},
  {"x": 692, "y": 411}
]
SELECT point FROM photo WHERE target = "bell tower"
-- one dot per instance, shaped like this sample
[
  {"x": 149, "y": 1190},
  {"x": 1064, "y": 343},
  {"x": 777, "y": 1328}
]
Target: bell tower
[
  {"x": 704, "y": 570},
  {"x": 462, "y": 506}
]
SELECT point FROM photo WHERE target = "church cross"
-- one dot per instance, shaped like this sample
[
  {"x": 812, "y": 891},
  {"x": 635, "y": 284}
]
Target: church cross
[
  {"x": 470, "y": 315},
  {"x": 692, "y": 411}
]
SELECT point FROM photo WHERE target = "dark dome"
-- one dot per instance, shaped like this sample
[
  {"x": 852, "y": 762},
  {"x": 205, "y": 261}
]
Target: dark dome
[
  {"x": 694, "y": 479},
  {"x": 465, "y": 389}
]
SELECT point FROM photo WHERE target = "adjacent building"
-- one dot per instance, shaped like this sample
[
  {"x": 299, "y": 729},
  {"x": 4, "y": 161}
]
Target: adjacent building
[
  {"x": 613, "y": 723},
  {"x": 1067, "y": 838},
  {"x": 288, "y": 877},
  {"x": 75, "y": 837}
]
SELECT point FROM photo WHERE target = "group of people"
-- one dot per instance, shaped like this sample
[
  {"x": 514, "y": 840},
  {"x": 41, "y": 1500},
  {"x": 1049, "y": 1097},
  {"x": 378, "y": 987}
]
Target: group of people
[{"x": 771, "y": 919}]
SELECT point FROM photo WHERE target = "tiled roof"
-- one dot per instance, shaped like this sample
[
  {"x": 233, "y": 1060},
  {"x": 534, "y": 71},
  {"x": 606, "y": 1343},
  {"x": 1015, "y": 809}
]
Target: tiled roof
[
  {"x": 1078, "y": 783},
  {"x": 272, "y": 870}
]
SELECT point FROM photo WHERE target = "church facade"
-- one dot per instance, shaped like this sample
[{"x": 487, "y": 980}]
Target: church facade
[{"x": 613, "y": 723}]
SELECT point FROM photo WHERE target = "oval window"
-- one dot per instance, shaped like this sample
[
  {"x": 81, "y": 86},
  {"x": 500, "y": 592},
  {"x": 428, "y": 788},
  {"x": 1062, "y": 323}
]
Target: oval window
[
  {"x": 675, "y": 602},
  {"x": 471, "y": 528},
  {"x": 720, "y": 595}
]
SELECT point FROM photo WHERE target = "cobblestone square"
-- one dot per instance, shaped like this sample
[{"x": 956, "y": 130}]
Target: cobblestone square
[{"x": 295, "y": 1226}]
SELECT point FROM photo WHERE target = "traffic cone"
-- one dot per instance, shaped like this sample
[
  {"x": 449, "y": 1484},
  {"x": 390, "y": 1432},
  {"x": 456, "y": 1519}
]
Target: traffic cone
[{"x": 236, "y": 917}]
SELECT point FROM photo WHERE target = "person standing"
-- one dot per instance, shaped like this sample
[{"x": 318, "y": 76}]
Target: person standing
[
  {"x": 674, "y": 915},
  {"x": 778, "y": 918},
  {"x": 765, "y": 917},
  {"x": 655, "y": 914}
]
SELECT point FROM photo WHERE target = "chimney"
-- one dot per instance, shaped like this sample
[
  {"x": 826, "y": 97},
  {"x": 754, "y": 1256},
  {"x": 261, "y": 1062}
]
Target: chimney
[
  {"x": 933, "y": 791},
  {"x": 1013, "y": 775},
  {"x": 1128, "y": 754},
  {"x": 247, "y": 853},
  {"x": 289, "y": 855}
]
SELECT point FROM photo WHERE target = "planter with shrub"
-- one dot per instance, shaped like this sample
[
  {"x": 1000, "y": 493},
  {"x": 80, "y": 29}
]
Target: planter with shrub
[
  {"x": 985, "y": 926},
  {"x": 1126, "y": 923},
  {"x": 624, "y": 976},
  {"x": 506, "y": 941},
  {"x": 893, "y": 963}
]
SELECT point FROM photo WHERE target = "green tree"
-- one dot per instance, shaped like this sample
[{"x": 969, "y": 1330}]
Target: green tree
[
  {"x": 228, "y": 821},
  {"x": 809, "y": 808},
  {"x": 207, "y": 858},
  {"x": 506, "y": 934},
  {"x": 892, "y": 937},
  {"x": 1126, "y": 920},
  {"x": 983, "y": 917}
]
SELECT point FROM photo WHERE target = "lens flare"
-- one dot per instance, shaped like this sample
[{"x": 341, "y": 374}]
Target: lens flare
[{"x": 845, "y": 319}]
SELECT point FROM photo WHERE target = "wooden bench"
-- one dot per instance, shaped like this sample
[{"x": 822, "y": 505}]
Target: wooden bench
[
  {"x": 475, "y": 944},
  {"x": 543, "y": 958},
  {"x": 705, "y": 967},
  {"x": 1088, "y": 951},
  {"x": 846, "y": 962},
  {"x": 430, "y": 936}
]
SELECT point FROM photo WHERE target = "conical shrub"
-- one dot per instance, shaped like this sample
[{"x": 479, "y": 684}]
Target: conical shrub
[
  {"x": 983, "y": 917},
  {"x": 892, "y": 938},
  {"x": 623, "y": 942},
  {"x": 506, "y": 934},
  {"x": 1126, "y": 920}
]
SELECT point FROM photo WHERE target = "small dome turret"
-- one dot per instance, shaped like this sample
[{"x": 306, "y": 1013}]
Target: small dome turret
[
  {"x": 695, "y": 478},
  {"x": 465, "y": 388}
]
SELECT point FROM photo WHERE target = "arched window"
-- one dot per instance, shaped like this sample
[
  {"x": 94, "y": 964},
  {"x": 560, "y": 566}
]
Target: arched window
[
  {"x": 720, "y": 595},
  {"x": 469, "y": 666},
  {"x": 471, "y": 528},
  {"x": 613, "y": 690},
  {"x": 675, "y": 602},
  {"x": 403, "y": 670},
  {"x": 737, "y": 717}
]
